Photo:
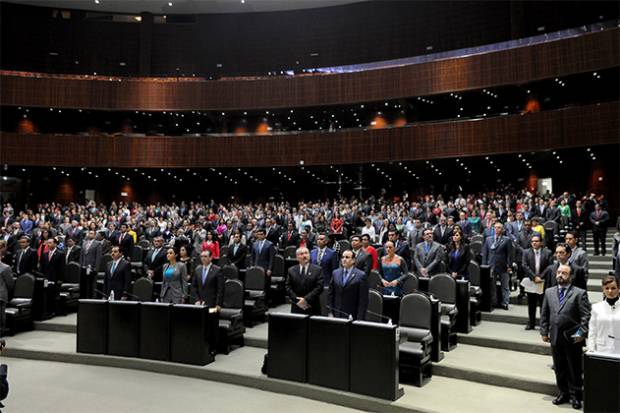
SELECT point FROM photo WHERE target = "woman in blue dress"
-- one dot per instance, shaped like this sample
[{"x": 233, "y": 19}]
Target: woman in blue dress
[
  {"x": 393, "y": 270},
  {"x": 458, "y": 256}
]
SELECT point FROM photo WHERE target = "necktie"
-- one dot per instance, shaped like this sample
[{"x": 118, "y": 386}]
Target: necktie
[
  {"x": 537, "y": 261},
  {"x": 562, "y": 292},
  {"x": 427, "y": 247},
  {"x": 67, "y": 256},
  {"x": 204, "y": 275},
  {"x": 346, "y": 277},
  {"x": 155, "y": 252},
  {"x": 114, "y": 265},
  {"x": 321, "y": 252},
  {"x": 235, "y": 248},
  {"x": 260, "y": 246},
  {"x": 19, "y": 260},
  {"x": 49, "y": 256},
  {"x": 303, "y": 272}
]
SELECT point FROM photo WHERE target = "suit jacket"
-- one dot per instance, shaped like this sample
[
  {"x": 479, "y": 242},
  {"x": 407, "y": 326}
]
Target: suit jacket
[
  {"x": 497, "y": 256},
  {"x": 238, "y": 258},
  {"x": 556, "y": 319},
  {"x": 212, "y": 291},
  {"x": 579, "y": 276},
  {"x": 119, "y": 281},
  {"x": 91, "y": 255},
  {"x": 602, "y": 219},
  {"x": 515, "y": 229},
  {"x": 442, "y": 239},
  {"x": 350, "y": 298},
  {"x": 579, "y": 259},
  {"x": 272, "y": 234},
  {"x": 363, "y": 261},
  {"x": 309, "y": 287},
  {"x": 125, "y": 245},
  {"x": 552, "y": 214},
  {"x": 6, "y": 282},
  {"x": 156, "y": 263},
  {"x": 604, "y": 322},
  {"x": 73, "y": 255},
  {"x": 27, "y": 262},
  {"x": 287, "y": 239},
  {"x": 329, "y": 263},
  {"x": 528, "y": 262},
  {"x": 264, "y": 257},
  {"x": 174, "y": 289},
  {"x": 54, "y": 269},
  {"x": 429, "y": 260}
]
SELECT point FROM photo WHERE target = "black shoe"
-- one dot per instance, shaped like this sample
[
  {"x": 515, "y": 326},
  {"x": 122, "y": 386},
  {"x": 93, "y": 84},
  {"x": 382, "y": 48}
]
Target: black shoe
[
  {"x": 561, "y": 399},
  {"x": 529, "y": 327},
  {"x": 505, "y": 306},
  {"x": 576, "y": 404}
]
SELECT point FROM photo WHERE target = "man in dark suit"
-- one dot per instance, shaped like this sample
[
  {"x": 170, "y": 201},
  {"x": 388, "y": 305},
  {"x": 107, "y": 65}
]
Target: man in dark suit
[
  {"x": 401, "y": 247},
  {"x": 273, "y": 231},
  {"x": 155, "y": 259},
  {"x": 599, "y": 219},
  {"x": 304, "y": 285},
  {"x": 325, "y": 257},
  {"x": 26, "y": 257},
  {"x": 563, "y": 252},
  {"x": 117, "y": 276},
  {"x": 442, "y": 233},
  {"x": 564, "y": 319},
  {"x": 75, "y": 232},
  {"x": 125, "y": 242},
  {"x": 53, "y": 262},
  {"x": 497, "y": 253},
  {"x": 91, "y": 253},
  {"x": 106, "y": 244},
  {"x": 428, "y": 255},
  {"x": 363, "y": 260},
  {"x": 290, "y": 237},
  {"x": 580, "y": 221},
  {"x": 263, "y": 252},
  {"x": 534, "y": 262},
  {"x": 208, "y": 283},
  {"x": 237, "y": 251},
  {"x": 6, "y": 285},
  {"x": 72, "y": 251},
  {"x": 553, "y": 212},
  {"x": 348, "y": 290}
]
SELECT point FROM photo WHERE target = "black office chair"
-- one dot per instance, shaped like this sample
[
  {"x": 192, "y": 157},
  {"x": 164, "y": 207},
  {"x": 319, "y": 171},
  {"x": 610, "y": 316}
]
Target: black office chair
[
  {"x": 103, "y": 263},
  {"x": 344, "y": 245},
  {"x": 143, "y": 289},
  {"x": 230, "y": 272},
  {"x": 374, "y": 281},
  {"x": 410, "y": 284},
  {"x": 475, "y": 292},
  {"x": 19, "y": 315},
  {"x": 231, "y": 328},
  {"x": 415, "y": 347},
  {"x": 443, "y": 287},
  {"x": 476, "y": 248},
  {"x": 137, "y": 260},
  {"x": 224, "y": 251},
  {"x": 323, "y": 301},
  {"x": 255, "y": 304},
  {"x": 145, "y": 244},
  {"x": 277, "y": 291},
  {"x": 69, "y": 293},
  {"x": 375, "y": 306}
]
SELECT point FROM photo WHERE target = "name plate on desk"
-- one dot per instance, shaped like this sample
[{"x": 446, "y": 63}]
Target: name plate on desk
[{"x": 92, "y": 326}]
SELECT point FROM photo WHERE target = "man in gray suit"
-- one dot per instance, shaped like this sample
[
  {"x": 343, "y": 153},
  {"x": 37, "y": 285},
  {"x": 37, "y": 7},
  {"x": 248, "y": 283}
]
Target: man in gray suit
[
  {"x": 578, "y": 257},
  {"x": 564, "y": 319},
  {"x": 428, "y": 255},
  {"x": 497, "y": 254},
  {"x": 6, "y": 284},
  {"x": 363, "y": 260},
  {"x": 90, "y": 255}
]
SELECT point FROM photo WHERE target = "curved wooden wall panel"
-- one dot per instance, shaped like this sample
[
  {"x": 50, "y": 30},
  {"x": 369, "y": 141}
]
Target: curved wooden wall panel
[
  {"x": 571, "y": 127},
  {"x": 594, "y": 51}
]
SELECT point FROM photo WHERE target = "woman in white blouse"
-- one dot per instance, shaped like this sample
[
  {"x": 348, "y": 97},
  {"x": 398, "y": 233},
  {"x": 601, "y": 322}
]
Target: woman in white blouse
[{"x": 604, "y": 328}]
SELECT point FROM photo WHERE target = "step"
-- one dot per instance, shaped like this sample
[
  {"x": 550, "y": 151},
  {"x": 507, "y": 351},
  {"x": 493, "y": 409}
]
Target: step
[
  {"x": 242, "y": 367},
  {"x": 506, "y": 336},
  {"x": 598, "y": 274},
  {"x": 506, "y": 368}
]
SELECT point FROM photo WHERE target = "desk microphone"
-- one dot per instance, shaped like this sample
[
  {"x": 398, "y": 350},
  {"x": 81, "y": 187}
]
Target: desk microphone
[
  {"x": 389, "y": 320},
  {"x": 102, "y": 293},
  {"x": 340, "y": 311},
  {"x": 192, "y": 296}
]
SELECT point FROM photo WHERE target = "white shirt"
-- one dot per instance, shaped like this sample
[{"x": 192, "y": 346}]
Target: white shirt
[
  {"x": 604, "y": 322},
  {"x": 371, "y": 232}
]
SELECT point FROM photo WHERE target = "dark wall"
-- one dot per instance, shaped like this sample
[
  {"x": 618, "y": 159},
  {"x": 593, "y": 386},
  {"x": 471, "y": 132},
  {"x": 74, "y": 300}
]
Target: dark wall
[{"x": 248, "y": 43}]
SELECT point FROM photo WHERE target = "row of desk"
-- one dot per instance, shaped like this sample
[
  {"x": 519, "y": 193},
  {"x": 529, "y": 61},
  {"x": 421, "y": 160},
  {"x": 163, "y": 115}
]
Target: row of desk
[
  {"x": 179, "y": 333},
  {"x": 356, "y": 356}
]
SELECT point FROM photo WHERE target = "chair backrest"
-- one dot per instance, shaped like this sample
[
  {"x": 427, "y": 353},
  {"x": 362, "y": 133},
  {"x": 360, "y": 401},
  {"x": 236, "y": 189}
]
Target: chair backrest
[
  {"x": 143, "y": 289},
  {"x": 442, "y": 267},
  {"x": 475, "y": 247},
  {"x": 224, "y": 260},
  {"x": 550, "y": 226},
  {"x": 415, "y": 311},
  {"x": 24, "y": 286},
  {"x": 477, "y": 238},
  {"x": 410, "y": 284},
  {"x": 278, "y": 265},
  {"x": 323, "y": 301},
  {"x": 374, "y": 281},
  {"x": 233, "y": 294},
  {"x": 380, "y": 252},
  {"x": 290, "y": 251},
  {"x": 137, "y": 254},
  {"x": 255, "y": 279},
  {"x": 105, "y": 259},
  {"x": 230, "y": 272},
  {"x": 344, "y": 245},
  {"x": 144, "y": 243},
  {"x": 375, "y": 305},
  {"x": 474, "y": 273},
  {"x": 72, "y": 273},
  {"x": 443, "y": 287}
]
